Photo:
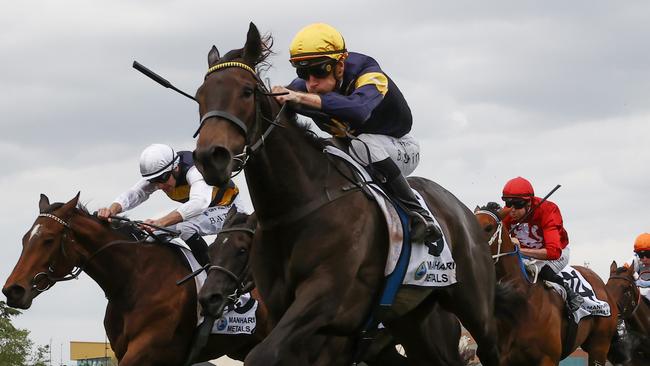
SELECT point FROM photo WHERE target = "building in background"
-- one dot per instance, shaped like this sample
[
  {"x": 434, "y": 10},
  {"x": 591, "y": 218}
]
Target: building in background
[{"x": 92, "y": 354}]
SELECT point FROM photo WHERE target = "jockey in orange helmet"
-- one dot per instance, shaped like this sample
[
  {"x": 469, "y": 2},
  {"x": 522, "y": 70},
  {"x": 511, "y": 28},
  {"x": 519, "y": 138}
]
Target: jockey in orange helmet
[
  {"x": 641, "y": 263},
  {"x": 347, "y": 93},
  {"x": 540, "y": 233}
]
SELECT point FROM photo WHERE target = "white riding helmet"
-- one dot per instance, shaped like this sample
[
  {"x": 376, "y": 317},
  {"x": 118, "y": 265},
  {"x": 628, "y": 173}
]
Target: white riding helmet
[{"x": 156, "y": 160}]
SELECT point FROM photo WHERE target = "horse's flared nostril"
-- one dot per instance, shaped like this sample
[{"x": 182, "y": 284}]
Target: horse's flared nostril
[
  {"x": 14, "y": 293},
  {"x": 211, "y": 303},
  {"x": 214, "y": 163}
]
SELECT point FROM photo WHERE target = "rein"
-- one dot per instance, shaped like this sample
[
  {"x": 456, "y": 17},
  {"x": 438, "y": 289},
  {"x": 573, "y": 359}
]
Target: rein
[
  {"x": 497, "y": 236},
  {"x": 76, "y": 270}
]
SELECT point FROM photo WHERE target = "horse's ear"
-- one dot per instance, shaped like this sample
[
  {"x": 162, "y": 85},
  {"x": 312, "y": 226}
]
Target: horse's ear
[
  {"x": 251, "y": 222},
  {"x": 477, "y": 209},
  {"x": 71, "y": 204},
  {"x": 44, "y": 203},
  {"x": 230, "y": 216},
  {"x": 612, "y": 267},
  {"x": 253, "y": 47},
  {"x": 213, "y": 56}
]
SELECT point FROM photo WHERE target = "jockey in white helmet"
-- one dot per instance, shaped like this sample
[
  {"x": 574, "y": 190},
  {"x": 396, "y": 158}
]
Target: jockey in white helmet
[{"x": 203, "y": 207}]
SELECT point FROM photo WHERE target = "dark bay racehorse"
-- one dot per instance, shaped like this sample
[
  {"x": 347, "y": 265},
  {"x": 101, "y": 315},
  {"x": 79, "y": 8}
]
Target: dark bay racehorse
[
  {"x": 149, "y": 320},
  {"x": 540, "y": 338},
  {"x": 230, "y": 274},
  {"x": 633, "y": 346},
  {"x": 321, "y": 248}
]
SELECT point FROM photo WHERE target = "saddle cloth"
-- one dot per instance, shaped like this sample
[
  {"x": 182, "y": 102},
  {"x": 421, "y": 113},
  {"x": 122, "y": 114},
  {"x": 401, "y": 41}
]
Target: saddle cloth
[
  {"x": 424, "y": 269},
  {"x": 237, "y": 320},
  {"x": 592, "y": 305}
]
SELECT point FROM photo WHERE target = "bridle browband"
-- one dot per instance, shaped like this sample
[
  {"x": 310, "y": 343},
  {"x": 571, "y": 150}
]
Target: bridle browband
[
  {"x": 76, "y": 270},
  {"x": 249, "y": 149}
]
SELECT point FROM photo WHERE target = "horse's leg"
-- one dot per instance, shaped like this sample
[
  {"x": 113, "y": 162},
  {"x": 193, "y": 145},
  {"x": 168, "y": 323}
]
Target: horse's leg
[
  {"x": 429, "y": 335},
  {"x": 473, "y": 304},
  {"x": 314, "y": 307}
]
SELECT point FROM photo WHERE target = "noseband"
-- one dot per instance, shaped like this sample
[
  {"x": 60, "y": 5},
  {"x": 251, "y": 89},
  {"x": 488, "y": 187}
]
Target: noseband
[{"x": 260, "y": 88}]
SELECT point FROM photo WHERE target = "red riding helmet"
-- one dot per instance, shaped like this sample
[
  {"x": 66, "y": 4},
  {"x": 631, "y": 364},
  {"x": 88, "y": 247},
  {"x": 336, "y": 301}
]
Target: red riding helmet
[
  {"x": 642, "y": 243},
  {"x": 518, "y": 188}
]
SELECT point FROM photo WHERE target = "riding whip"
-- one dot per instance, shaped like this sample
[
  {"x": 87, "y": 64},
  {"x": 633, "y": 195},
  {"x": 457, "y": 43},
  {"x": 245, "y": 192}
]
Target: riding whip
[
  {"x": 533, "y": 209},
  {"x": 159, "y": 79}
]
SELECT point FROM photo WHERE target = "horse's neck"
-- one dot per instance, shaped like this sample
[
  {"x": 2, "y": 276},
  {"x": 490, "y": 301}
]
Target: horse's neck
[
  {"x": 112, "y": 267},
  {"x": 288, "y": 172}
]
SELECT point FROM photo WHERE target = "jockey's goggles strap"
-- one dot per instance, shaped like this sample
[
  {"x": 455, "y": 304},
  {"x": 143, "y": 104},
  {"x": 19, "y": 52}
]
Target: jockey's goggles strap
[{"x": 163, "y": 168}]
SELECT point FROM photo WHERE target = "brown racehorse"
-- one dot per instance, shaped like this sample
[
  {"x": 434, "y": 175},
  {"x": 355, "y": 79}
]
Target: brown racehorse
[
  {"x": 540, "y": 336},
  {"x": 633, "y": 346},
  {"x": 149, "y": 320},
  {"x": 323, "y": 245},
  {"x": 230, "y": 275}
]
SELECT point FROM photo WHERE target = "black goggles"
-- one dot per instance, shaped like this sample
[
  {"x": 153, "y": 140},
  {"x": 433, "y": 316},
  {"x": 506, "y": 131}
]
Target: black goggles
[
  {"x": 516, "y": 203},
  {"x": 161, "y": 178},
  {"x": 318, "y": 71},
  {"x": 644, "y": 254}
]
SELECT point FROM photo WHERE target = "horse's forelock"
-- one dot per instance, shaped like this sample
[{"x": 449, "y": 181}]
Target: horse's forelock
[{"x": 493, "y": 207}]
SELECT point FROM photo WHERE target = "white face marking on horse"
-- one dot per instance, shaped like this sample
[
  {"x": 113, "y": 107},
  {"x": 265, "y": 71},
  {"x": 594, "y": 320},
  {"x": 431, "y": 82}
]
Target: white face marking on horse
[
  {"x": 36, "y": 231},
  {"x": 225, "y": 240}
]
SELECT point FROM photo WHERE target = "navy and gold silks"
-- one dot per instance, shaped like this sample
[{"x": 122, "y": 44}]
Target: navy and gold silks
[
  {"x": 368, "y": 101},
  {"x": 181, "y": 192}
]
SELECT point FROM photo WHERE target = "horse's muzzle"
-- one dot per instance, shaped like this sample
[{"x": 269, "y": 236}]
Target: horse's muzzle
[
  {"x": 17, "y": 296},
  {"x": 214, "y": 163}
]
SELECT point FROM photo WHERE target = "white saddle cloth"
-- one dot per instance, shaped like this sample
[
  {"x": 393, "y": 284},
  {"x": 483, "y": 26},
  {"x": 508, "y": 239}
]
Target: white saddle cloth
[
  {"x": 592, "y": 305},
  {"x": 424, "y": 269},
  {"x": 238, "y": 320}
]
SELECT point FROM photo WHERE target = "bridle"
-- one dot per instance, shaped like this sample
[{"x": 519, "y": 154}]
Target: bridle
[
  {"x": 73, "y": 274},
  {"x": 625, "y": 311},
  {"x": 243, "y": 285},
  {"x": 76, "y": 270},
  {"x": 260, "y": 89},
  {"x": 496, "y": 237}
]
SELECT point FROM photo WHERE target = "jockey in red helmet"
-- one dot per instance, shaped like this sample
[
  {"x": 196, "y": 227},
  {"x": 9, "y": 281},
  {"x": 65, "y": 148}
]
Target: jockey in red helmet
[{"x": 541, "y": 233}]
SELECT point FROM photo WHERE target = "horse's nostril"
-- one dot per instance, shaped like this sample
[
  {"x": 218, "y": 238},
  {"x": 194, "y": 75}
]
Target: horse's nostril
[
  {"x": 14, "y": 292},
  {"x": 215, "y": 299}
]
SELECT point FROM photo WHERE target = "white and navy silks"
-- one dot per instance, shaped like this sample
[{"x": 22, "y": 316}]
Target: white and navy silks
[
  {"x": 641, "y": 275},
  {"x": 203, "y": 207}
]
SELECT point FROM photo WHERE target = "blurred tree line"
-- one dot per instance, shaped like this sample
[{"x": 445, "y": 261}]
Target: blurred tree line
[{"x": 16, "y": 349}]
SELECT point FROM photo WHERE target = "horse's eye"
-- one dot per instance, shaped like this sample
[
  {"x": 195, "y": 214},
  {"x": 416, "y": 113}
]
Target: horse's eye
[
  {"x": 243, "y": 251},
  {"x": 488, "y": 228},
  {"x": 248, "y": 91},
  {"x": 48, "y": 241}
]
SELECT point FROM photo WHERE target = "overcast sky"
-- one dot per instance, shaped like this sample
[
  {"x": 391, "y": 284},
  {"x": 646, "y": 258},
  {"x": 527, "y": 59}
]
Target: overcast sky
[{"x": 555, "y": 91}]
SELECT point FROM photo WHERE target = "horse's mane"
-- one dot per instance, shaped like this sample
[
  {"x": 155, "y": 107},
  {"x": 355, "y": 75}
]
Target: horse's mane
[
  {"x": 493, "y": 207},
  {"x": 261, "y": 64},
  {"x": 620, "y": 270},
  {"x": 123, "y": 227}
]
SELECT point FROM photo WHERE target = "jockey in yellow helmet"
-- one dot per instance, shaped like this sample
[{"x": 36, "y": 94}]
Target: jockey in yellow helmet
[{"x": 348, "y": 94}]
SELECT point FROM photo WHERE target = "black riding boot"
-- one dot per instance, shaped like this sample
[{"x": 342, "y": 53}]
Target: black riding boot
[
  {"x": 422, "y": 224},
  {"x": 199, "y": 248},
  {"x": 573, "y": 299}
]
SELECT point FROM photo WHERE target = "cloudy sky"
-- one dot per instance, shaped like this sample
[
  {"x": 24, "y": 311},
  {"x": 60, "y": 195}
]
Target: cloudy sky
[{"x": 557, "y": 92}]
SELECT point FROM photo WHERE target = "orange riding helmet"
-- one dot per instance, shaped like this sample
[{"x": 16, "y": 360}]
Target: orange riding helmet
[{"x": 642, "y": 243}]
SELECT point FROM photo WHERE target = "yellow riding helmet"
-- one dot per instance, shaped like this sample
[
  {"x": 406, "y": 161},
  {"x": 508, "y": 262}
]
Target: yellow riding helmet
[
  {"x": 642, "y": 243},
  {"x": 316, "y": 41}
]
